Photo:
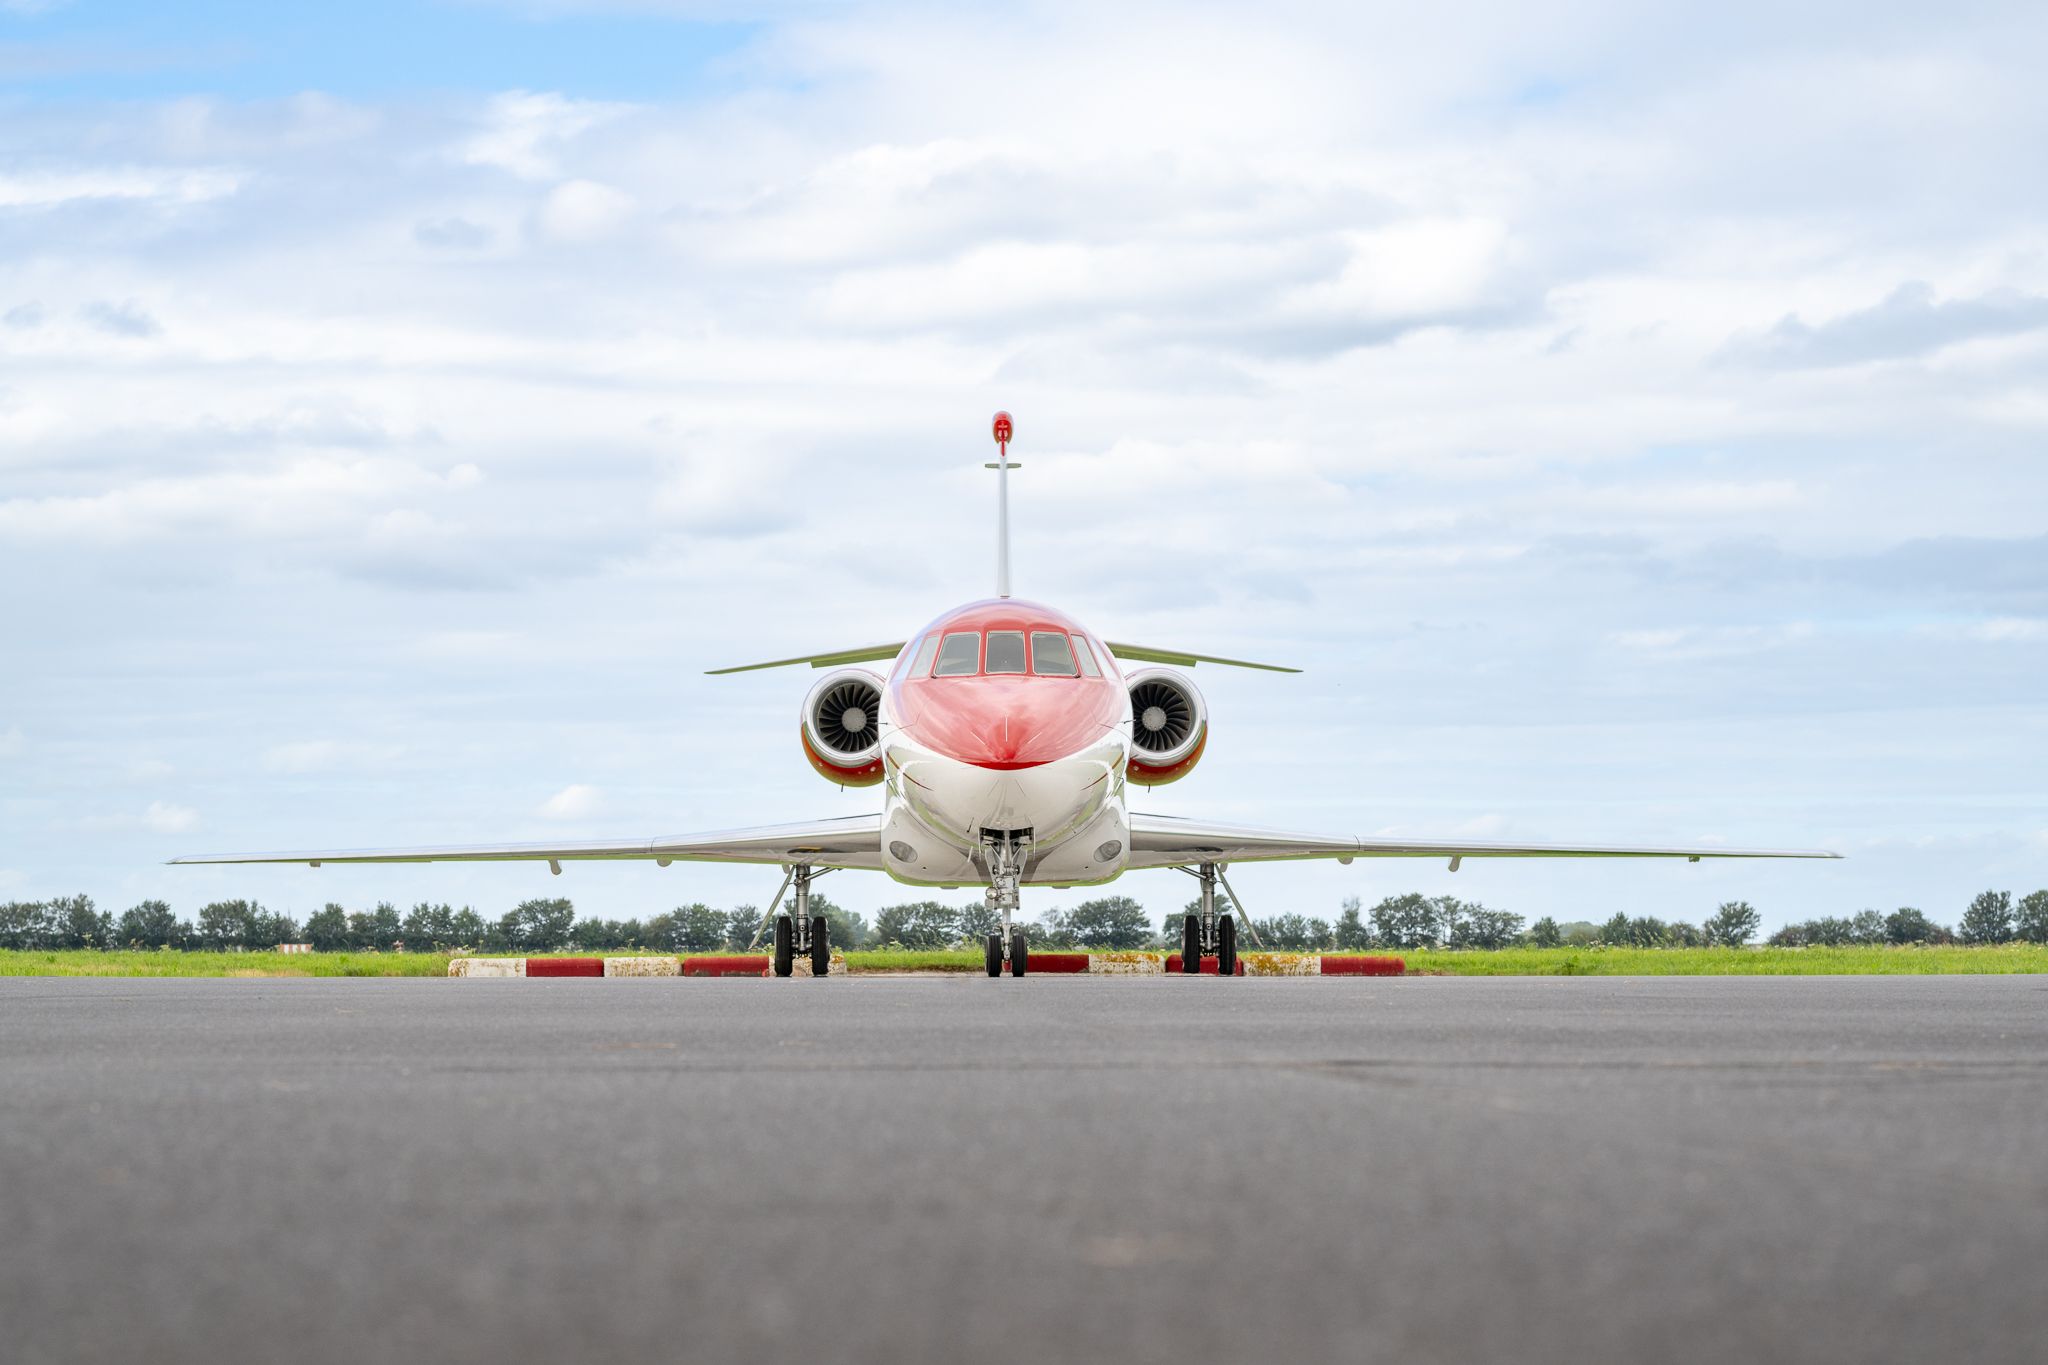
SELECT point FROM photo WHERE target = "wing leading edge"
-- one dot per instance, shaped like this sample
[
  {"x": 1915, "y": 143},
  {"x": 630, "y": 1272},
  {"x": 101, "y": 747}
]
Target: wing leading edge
[
  {"x": 866, "y": 654},
  {"x": 1165, "y": 840},
  {"x": 853, "y": 841}
]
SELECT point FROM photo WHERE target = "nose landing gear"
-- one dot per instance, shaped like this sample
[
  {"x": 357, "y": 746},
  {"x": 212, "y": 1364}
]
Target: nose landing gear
[{"x": 1005, "y": 870}]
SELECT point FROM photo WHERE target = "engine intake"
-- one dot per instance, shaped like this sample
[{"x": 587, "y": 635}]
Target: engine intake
[
  {"x": 1169, "y": 726},
  {"x": 842, "y": 727}
]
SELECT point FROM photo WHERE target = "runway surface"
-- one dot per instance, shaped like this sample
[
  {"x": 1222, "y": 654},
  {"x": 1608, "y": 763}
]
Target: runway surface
[{"x": 1811, "y": 1169}]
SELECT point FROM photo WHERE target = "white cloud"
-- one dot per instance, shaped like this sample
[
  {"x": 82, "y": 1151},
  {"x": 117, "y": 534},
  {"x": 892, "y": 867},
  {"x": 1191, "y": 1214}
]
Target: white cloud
[
  {"x": 1414, "y": 268},
  {"x": 583, "y": 211},
  {"x": 49, "y": 189},
  {"x": 300, "y": 757},
  {"x": 167, "y": 818},
  {"x": 1994, "y": 630},
  {"x": 527, "y": 134},
  {"x": 1708, "y": 642},
  {"x": 572, "y": 802},
  {"x": 127, "y": 318},
  {"x": 289, "y": 498},
  {"x": 2011, "y": 628}
]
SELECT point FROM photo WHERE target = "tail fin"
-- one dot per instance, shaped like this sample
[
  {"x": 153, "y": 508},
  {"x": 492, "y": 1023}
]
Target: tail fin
[{"x": 1003, "y": 427}]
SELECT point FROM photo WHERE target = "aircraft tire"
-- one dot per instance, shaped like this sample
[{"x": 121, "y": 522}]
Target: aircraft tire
[
  {"x": 785, "y": 945},
  {"x": 1226, "y": 945},
  {"x": 821, "y": 946},
  {"x": 1020, "y": 952},
  {"x": 994, "y": 955},
  {"x": 1191, "y": 944}
]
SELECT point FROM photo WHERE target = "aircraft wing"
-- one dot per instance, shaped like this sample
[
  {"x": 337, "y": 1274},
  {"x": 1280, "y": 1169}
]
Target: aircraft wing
[
  {"x": 1146, "y": 654},
  {"x": 854, "y": 841},
  {"x": 1166, "y": 841},
  {"x": 864, "y": 654}
]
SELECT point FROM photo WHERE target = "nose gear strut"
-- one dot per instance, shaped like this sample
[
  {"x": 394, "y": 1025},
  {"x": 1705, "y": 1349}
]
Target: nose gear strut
[{"x": 1005, "y": 857}]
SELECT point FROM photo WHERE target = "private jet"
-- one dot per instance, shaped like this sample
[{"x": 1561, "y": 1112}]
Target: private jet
[{"x": 1005, "y": 736}]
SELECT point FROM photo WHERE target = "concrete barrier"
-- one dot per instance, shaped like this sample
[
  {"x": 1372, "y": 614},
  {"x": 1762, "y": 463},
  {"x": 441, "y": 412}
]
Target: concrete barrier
[
  {"x": 726, "y": 965},
  {"x": 643, "y": 966},
  {"x": 1280, "y": 964},
  {"x": 487, "y": 966},
  {"x": 565, "y": 966},
  {"x": 1124, "y": 964},
  {"x": 1049, "y": 963},
  {"x": 1207, "y": 966},
  {"x": 1300, "y": 964},
  {"x": 1363, "y": 966}
]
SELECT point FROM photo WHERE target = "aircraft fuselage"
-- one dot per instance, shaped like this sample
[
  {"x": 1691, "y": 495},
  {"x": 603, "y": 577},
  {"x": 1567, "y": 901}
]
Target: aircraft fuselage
[{"x": 1030, "y": 739}]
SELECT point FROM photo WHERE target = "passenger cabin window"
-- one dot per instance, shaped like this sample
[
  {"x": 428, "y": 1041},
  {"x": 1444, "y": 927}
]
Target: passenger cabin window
[
  {"x": 1051, "y": 655},
  {"x": 1005, "y": 651},
  {"x": 960, "y": 655},
  {"x": 922, "y": 663},
  {"x": 1086, "y": 657}
]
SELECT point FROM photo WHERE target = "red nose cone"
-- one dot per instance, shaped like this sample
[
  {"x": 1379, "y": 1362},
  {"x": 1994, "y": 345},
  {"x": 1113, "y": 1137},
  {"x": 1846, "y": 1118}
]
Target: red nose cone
[{"x": 1007, "y": 723}]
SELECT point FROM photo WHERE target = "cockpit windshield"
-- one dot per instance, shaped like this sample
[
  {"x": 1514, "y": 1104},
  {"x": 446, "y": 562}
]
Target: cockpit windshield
[
  {"x": 965, "y": 654},
  {"x": 959, "y": 655},
  {"x": 1051, "y": 655},
  {"x": 1005, "y": 652}
]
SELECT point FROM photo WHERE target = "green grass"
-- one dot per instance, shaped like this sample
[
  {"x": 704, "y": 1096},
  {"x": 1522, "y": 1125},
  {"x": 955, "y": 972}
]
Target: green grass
[
  {"x": 915, "y": 960},
  {"x": 90, "y": 962},
  {"x": 1952, "y": 960},
  {"x": 2003, "y": 958}
]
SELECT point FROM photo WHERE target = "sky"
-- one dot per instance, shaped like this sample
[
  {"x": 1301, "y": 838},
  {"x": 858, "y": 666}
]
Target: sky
[{"x": 1631, "y": 418}]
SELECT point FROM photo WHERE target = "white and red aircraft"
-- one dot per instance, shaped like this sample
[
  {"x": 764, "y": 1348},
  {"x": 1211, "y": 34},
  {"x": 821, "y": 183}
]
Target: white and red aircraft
[{"x": 1004, "y": 738}]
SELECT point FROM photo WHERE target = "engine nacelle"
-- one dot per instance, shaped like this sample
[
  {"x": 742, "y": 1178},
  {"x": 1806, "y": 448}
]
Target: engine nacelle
[
  {"x": 842, "y": 727},
  {"x": 1169, "y": 726}
]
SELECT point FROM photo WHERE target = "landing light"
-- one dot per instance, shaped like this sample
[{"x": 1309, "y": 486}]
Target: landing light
[{"x": 902, "y": 852}]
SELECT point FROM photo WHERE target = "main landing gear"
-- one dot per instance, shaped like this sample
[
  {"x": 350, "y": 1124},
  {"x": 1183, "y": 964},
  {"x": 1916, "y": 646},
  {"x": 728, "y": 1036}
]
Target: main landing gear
[
  {"x": 1208, "y": 934},
  {"x": 798, "y": 932},
  {"x": 1005, "y": 871}
]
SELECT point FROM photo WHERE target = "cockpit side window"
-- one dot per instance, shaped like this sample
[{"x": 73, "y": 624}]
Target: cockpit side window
[
  {"x": 959, "y": 655},
  {"x": 1086, "y": 656},
  {"x": 1051, "y": 655},
  {"x": 921, "y": 663},
  {"x": 1005, "y": 651}
]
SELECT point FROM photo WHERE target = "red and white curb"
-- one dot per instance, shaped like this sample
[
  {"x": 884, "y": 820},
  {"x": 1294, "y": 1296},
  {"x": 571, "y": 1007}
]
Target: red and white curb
[
  {"x": 1095, "y": 964},
  {"x": 752, "y": 964},
  {"x": 1248, "y": 964}
]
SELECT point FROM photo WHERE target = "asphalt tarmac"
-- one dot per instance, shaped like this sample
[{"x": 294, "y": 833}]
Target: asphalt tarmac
[{"x": 1583, "y": 1170}]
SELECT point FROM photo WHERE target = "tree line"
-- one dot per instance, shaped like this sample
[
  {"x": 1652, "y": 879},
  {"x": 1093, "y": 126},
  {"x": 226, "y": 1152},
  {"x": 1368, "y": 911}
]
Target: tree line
[{"x": 1407, "y": 922}]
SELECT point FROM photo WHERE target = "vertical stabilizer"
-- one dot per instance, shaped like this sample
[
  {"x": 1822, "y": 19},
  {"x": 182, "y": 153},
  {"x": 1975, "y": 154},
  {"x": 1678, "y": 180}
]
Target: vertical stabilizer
[{"x": 1002, "y": 466}]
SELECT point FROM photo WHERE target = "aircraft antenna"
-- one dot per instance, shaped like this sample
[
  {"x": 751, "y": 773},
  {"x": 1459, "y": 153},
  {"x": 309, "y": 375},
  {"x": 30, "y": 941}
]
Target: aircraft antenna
[{"x": 1003, "y": 428}]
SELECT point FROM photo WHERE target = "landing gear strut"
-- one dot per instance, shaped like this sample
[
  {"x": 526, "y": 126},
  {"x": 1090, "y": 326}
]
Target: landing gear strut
[
  {"x": 1208, "y": 934},
  {"x": 798, "y": 932},
  {"x": 1005, "y": 870}
]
